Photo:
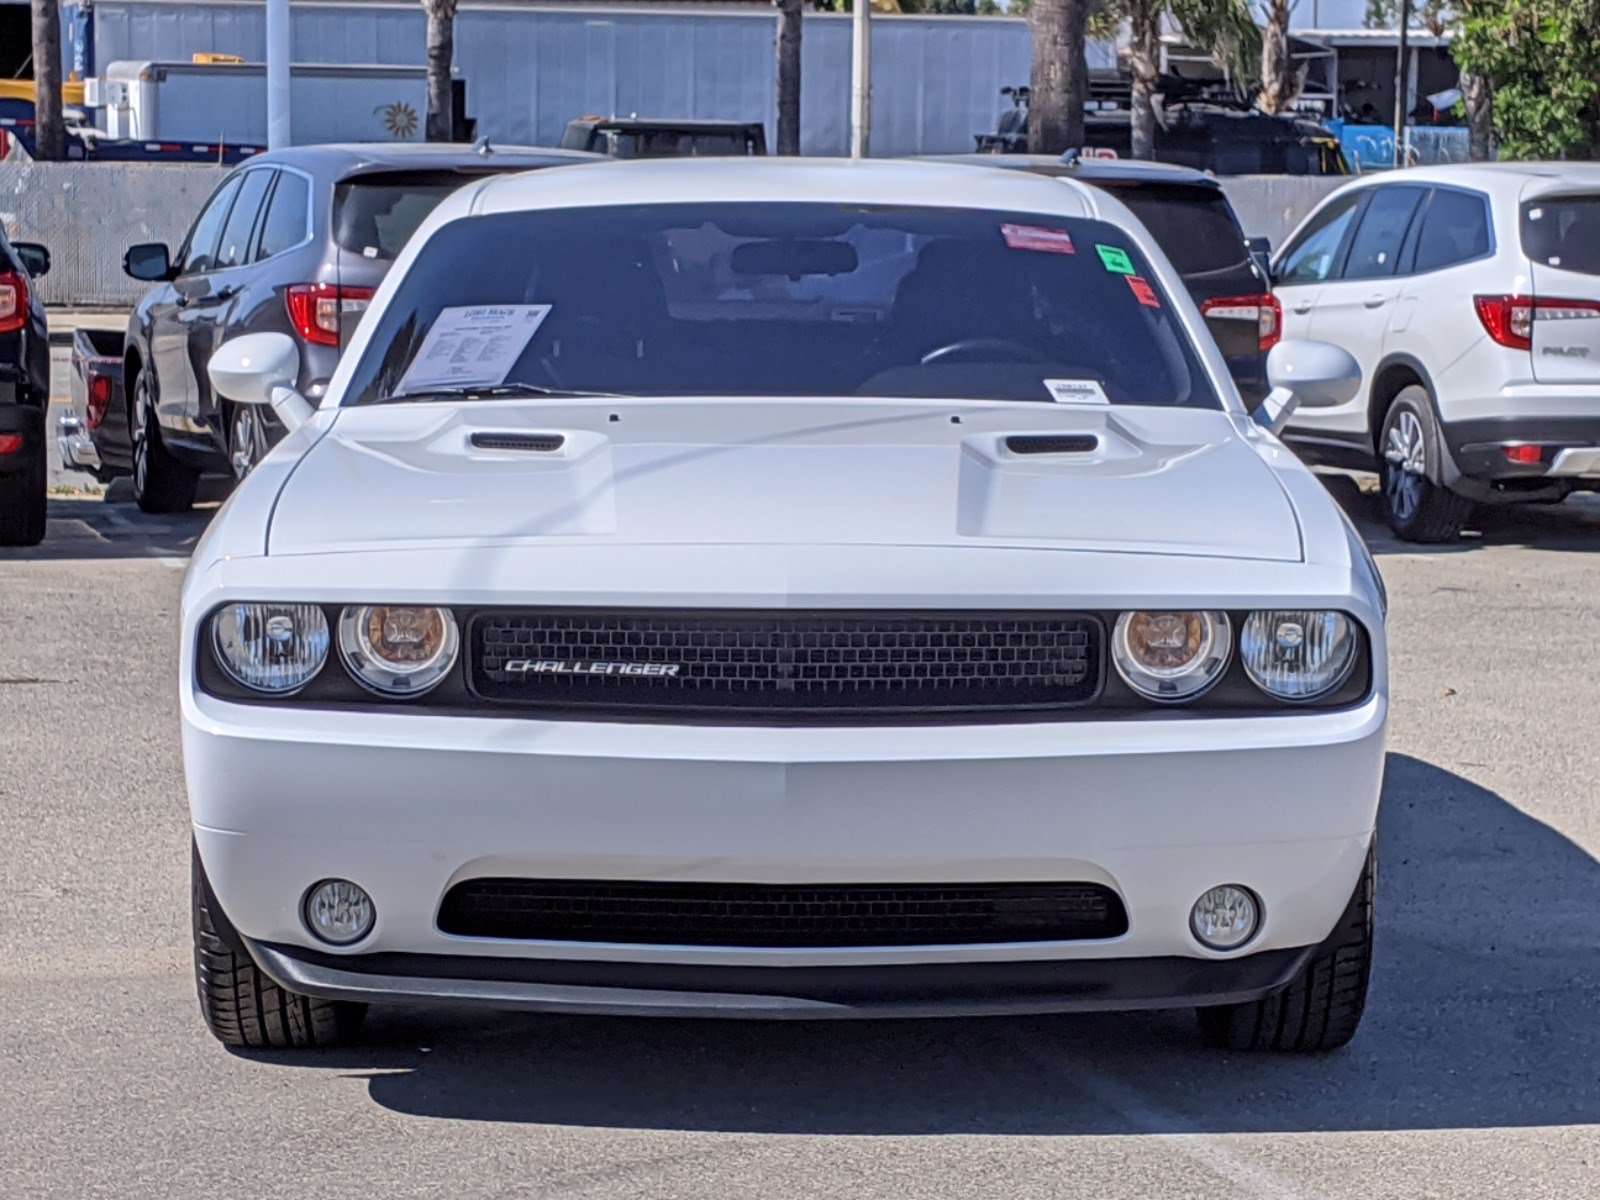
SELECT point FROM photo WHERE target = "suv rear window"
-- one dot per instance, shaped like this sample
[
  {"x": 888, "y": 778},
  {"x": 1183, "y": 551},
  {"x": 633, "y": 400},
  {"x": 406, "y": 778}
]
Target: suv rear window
[
  {"x": 375, "y": 215},
  {"x": 786, "y": 299},
  {"x": 1194, "y": 226},
  {"x": 1563, "y": 232}
]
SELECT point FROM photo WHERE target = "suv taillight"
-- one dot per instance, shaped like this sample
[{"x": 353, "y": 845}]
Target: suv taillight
[
  {"x": 13, "y": 301},
  {"x": 1265, "y": 311},
  {"x": 319, "y": 310},
  {"x": 1509, "y": 319}
]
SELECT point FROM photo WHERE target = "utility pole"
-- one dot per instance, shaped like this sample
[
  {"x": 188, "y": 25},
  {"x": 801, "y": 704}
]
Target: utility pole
[
  {"x": 277, "y": 74},
  {"x": 860, "y": 77},
  {"x": 1402, "y": 84}
]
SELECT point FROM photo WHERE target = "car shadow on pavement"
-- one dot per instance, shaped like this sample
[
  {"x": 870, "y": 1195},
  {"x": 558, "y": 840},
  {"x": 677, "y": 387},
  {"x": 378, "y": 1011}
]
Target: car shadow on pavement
[
  {"x": 1570, "y": 526},
  {"x": 91, "y": 527},
  {"x": 1481, "y": 1014}
]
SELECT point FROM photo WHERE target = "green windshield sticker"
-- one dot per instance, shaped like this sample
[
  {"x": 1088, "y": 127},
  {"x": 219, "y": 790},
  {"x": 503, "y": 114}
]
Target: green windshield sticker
[{"x": 1116, "y": 260}]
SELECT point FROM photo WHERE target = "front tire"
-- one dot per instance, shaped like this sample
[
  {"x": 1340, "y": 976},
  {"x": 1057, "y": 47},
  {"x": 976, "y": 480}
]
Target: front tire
[
  {"x": 161, "y": 484},
  {"x": 244, "y": 1008},
  {"x": 1321, "y": 1007},
  {"x": 1410, "y": 454},
  {"x": 22, "y": 498}
]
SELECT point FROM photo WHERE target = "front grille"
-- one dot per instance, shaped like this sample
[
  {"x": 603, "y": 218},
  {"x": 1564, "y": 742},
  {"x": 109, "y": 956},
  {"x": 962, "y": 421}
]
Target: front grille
[
  {"x": 828, "y": 665},
  {"x": 739, "y": 914}
]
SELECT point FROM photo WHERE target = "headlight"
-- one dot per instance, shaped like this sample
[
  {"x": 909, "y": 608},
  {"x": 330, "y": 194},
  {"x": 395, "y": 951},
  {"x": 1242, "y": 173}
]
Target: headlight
[
  {"x": 1171, "y": 655},
  {"x": 398, "y": 651},
  {"x": 274, "y": 648},
  {"x": 1298, "y": 654}
]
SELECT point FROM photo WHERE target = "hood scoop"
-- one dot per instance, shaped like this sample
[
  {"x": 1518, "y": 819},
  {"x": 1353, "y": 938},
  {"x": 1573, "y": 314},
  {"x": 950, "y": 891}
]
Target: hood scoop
[
  {"x": 1043, "y": 443},
  {"x": 537, "y": 443}
]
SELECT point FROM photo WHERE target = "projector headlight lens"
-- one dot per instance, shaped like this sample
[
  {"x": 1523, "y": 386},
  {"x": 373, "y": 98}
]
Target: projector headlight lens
[
  {"x": 1171, "y": 656},
  {"x": 271, "y": 648},
  {"x": 398, "y": 650},
  {"x": 1298, "y": 654}
]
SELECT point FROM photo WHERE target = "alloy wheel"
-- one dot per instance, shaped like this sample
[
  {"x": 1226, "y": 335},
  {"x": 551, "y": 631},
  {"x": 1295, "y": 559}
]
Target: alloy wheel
[
  {"x": 141, "y": 438},
  {"x": 1405, "y": 451},
  {"x": 242, "y": 449}
]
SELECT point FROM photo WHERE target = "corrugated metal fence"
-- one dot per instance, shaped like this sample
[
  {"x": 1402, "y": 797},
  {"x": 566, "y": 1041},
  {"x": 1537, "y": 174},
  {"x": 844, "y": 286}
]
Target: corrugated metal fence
[{"x": 936, "y": 80}]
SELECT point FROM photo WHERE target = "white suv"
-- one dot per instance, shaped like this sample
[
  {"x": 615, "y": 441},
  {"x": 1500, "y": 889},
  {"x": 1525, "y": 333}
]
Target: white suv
[{"x": 1470, "y": 295}]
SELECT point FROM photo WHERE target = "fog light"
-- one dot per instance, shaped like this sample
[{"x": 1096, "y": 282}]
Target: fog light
[
  {"x": 1225, "y": 917},
  {"x": 339, "y": 912}
]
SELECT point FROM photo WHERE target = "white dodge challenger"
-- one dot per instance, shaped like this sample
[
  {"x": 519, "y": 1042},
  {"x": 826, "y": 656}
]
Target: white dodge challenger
[{"x": 782, "y": 589}]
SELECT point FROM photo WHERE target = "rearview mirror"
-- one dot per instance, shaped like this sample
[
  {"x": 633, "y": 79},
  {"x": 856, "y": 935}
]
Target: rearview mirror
[
  {"x": 1308, "y": 374},
  {"x": 35, "y": 258},
  {"x": 261, "y": 368},
  {"x": 149, "y": 261},
  {"x": 795, "y": 258},
  {"x": 1260, "y": 249}
]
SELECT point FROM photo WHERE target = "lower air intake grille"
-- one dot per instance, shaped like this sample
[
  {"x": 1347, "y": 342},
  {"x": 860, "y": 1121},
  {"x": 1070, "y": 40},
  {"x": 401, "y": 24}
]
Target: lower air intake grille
[
  {"x": 736, "y": 914},
  {"x": 824, "y": 665}
]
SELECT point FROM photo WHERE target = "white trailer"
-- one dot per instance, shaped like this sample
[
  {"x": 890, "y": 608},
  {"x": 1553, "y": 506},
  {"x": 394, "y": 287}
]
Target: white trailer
[{"x": 227, "y": 102}]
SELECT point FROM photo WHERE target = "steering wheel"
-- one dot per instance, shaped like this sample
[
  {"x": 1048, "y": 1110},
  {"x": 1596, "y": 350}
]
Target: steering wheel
[{"x": 983, "y": 350}]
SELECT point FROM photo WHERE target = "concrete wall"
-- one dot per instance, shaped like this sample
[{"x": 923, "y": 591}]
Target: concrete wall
[
  {"x": 89, "y": 213},
  {"x": 1271, "y": 206}
]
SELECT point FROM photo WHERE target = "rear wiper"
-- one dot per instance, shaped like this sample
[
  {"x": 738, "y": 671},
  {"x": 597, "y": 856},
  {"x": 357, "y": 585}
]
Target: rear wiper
[{"x": 501, "y": 391}]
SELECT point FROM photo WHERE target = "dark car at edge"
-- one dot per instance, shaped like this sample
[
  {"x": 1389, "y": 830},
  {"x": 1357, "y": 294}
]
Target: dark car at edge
[{"x": 24, "y": 393}]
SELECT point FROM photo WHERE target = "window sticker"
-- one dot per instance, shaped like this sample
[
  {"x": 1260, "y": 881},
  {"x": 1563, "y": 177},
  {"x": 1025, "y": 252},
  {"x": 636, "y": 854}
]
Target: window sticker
[
  {"x": 1145, "y": 293},
  {"x": 1076, "y": 391},
  {"x": 1116, "y": 260},
  {"x": 1034, "y": 237},
  {"x": 473, "y": 346}
]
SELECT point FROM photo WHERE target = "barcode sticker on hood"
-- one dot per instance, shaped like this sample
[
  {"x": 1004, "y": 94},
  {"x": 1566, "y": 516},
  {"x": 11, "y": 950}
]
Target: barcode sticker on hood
[{"x": 1076, "y": 391}]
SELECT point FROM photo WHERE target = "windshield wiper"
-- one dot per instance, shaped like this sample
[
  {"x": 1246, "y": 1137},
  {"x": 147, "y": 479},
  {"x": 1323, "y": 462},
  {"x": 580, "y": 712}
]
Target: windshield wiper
[{"x": 501, "y": 391}]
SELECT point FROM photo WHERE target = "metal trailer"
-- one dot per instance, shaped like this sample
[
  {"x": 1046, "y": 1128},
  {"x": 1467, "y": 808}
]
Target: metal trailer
[
  {"x": 532, "y": 68},
  {"x": 227, "y": 102}
]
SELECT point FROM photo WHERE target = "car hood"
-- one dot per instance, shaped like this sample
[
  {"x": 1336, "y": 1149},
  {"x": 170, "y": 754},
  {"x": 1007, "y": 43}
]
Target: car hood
[{"x": 784, "y": 472}]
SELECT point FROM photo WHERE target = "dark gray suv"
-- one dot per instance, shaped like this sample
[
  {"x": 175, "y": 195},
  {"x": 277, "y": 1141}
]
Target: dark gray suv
[{"x": 292, "y": 241}]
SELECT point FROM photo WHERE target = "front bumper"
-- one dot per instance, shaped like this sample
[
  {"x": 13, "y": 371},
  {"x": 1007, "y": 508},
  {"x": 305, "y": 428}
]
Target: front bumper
[
  {"x": 407, "y": 805},
  {"x": 782, "y": 993}
]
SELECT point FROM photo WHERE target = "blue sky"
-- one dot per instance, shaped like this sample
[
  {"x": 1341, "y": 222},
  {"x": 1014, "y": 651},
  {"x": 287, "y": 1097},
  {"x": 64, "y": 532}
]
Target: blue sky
[{"x": 1329, "y": 14}]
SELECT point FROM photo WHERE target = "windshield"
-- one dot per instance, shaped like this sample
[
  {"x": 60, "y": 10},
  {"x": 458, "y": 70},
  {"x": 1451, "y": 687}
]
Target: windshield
[{"x": 782, "y": 299}]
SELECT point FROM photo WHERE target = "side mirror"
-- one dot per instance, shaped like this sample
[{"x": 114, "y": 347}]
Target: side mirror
[
  {"x": 1260, "y": 249},
  {"x": 149, "y": 261},
  {"x": 1308, "y": 374},
  {"x": 262, "y": 368},
  {"x": 35, "y": 258}
]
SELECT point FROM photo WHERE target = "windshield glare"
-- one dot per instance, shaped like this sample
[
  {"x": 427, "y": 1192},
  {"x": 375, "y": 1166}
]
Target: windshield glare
[{"x": 784, "y": 299}]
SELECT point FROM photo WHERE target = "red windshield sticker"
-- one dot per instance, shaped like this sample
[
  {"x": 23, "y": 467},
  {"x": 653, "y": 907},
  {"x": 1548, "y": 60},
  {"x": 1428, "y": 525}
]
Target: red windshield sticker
[
  {"x": 1032, "y": 237},
  {"x": 1142, "y": 289}
]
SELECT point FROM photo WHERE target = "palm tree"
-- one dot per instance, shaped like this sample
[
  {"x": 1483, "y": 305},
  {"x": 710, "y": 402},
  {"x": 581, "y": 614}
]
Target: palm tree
[
  {"x": 49, "y": 133},
  {"x": 441, "y": 50},
  {"x": 1280, "y": 82},
  {"x": 1060, "y": 76},
  {"x": 789, "y": 75}
]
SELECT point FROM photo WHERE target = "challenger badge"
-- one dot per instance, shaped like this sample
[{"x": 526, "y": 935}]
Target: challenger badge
[{"x": 568, "y": 666}]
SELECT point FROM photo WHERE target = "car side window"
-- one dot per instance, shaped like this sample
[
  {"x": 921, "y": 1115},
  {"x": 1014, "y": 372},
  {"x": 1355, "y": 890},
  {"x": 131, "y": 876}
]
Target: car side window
[
  {"x": 1311, "y": 257},
  {"x": 200, "y": 249},
  {"x": 1455, "y": 229},
  {"x": 1375, "y": 250},
  {"x": 284, "y": 226},
  {"x": 234, "y": 248}
]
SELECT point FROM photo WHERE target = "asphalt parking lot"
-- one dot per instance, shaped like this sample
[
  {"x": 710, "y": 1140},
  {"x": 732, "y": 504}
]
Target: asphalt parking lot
[{"x": 1476, "y": 1074}]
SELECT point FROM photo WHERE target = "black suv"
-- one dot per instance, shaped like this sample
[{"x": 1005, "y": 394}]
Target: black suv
[
  {"x": 24, "y": 393},
  {"x": 293, "y": 241},
  {"x": 650, "y": 137},
  {"x": 1191, "y": 220}
]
